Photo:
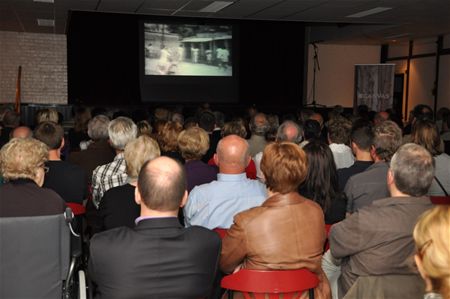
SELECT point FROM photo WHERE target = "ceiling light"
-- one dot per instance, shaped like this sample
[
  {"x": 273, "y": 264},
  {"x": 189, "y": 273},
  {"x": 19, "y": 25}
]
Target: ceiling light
[
  {"x": 216, "y": 6},
  {"x": 46, "y": 22},
  {"x": 44, "y": 1},
  {"x": 369, "y": 12},
  {"x": 400, "y": 35}
]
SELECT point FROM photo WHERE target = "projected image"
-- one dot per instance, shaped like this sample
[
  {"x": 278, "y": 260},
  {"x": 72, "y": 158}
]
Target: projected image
[{"x": 187, "y": 50}]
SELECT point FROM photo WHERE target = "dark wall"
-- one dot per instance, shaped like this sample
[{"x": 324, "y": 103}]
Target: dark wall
[{"x": 103, "y": 60}]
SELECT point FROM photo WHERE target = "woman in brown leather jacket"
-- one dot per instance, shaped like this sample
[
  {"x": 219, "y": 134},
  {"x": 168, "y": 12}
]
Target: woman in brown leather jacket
[{"x": 287, "y": 231}]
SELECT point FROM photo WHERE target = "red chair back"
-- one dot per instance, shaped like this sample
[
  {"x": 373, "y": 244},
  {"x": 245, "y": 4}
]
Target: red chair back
[
  {"x": 289, "y": 283},
  {"x": 327, "y": 230},
  {"x": 440, "y": 200},
  {"x": 77, "y": 209},
  {"x": 221, "y": 232}
]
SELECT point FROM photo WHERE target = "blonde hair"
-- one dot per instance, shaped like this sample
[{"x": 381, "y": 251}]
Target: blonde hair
[
  {"x": 193, "y": 143},
  {"x": 20, "y": 158},
  {"x": 139, "y": 151},
  {"x": 47, "y": 115},
  {"x": 169, "y": 135},
  {"x": 432, "y": 237}
]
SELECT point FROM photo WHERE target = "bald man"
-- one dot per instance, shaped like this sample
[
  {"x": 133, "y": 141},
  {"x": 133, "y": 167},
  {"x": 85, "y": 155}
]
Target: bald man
[
  {"x": 158, "y": 258},
  {"x": 21, "y": 132},
  {"x": 214, "y": 205}
]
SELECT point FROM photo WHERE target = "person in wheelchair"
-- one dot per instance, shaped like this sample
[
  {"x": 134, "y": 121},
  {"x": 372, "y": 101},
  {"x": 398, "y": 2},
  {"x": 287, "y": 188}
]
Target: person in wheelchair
[{"x": 22, "y": 164}]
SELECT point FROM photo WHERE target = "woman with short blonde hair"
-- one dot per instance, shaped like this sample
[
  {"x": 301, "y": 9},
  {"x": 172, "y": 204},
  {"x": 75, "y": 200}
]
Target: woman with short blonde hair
[{"x": 432, "y": 237}]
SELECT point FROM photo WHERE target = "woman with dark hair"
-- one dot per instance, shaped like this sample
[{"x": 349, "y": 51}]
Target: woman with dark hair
[
  {"x": 426, "y": 134},
  {"x": 321, "y": 183}
]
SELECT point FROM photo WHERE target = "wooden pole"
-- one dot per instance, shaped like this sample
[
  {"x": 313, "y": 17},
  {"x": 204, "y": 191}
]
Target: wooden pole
[{"x": 18, "y": 90}]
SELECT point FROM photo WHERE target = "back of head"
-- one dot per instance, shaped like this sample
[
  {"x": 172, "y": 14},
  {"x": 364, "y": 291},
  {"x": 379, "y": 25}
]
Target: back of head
[
  {"x": 193, "y": 143},
  {"x": 47, "y": 115},
  {"x": 234, "y": 127},
  {"x": 98, "y": 127},
  {"x": 284, "y": 166},
  {"x": 289, "y": 131},
  {"x": 121, "y": 131},
  {"x": 144, "y": 128},
  {"x": 207, "y": 121},
  {"x": 21, "y": 132},
  {"x": 426, "y": 134},
  {"x": 232, "y": 154},
  {"x": 162, "y": 184},
  {"x": 311, "y": 129},
  {"x": 431, "y": 235},
  {"x": 168, "y": 136},
  {"x": 139, "y": 151},
  {"x": 49, "y": 133},
  {"x": 220, "y": 118},
  {"x": 21, "y": 158},
  {"x": 321, "y": 182},
  {"x": 11, "y": 119},
  {"x": 259, "y": 125},
  {"x": 422, "y": 112},
  {"x": 339, "y": 129},
  {"x": 387, "y": 139},
  {"x": 412, "y": 167},
  {"x": 362, "y": 136},
  {"x": 82, "y": 117}
]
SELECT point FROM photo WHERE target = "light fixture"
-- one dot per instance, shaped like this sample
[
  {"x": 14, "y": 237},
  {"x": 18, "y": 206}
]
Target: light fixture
[
  {"x": 46, "y": 22},
  {"x": 216, "y": 6},
  {"x": 369, "y": 12}
]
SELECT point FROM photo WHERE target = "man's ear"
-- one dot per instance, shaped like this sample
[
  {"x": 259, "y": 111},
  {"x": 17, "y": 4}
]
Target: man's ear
[
  {"x": 390, "y": 177},
  {"x": 184, "y": 199},
  {"x": 216, "y": 159},
  {"x": 373, "y": 152},
  {"x": 63, "y": 142},
  {"x": 137, "y": 196},
  {"x": 354, "y": 147}
]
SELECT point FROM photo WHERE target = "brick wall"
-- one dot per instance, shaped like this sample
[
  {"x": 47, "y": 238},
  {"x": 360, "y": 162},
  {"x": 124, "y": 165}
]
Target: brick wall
[{"x": 43, "y": 58}]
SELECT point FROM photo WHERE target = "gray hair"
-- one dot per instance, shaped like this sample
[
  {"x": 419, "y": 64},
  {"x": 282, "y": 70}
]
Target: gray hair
[
  {"x": 259, "y": 127},
  {"x": 387, "y": 139},
  {"x": 98, "y": 127},
  {"x": 121, "y": 131},
  {"x": 413, "y": 169},
  {"x": 284, "y": 135}
]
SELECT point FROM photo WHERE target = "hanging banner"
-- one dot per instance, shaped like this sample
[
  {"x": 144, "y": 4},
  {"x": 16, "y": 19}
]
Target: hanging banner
[{"x": 374, "y": 86}]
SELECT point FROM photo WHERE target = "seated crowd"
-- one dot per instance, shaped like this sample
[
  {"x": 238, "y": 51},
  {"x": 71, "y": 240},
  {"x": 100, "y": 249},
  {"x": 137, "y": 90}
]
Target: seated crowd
[{"x": 156, "y": 186}]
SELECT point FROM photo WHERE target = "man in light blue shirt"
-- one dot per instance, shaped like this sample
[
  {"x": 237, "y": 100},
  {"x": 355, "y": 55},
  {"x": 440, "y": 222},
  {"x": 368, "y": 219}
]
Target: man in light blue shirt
[{"x": 215, "y": 204}]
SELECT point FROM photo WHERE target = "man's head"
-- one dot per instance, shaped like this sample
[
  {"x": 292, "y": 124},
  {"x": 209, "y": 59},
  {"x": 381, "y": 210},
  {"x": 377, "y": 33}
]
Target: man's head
[
  {"x": 161, "y": 186},
  {"x": 21, "y": 132},
  {"x": 259, "y": 125},
  {"x": 311, "y": 129},
  {"x": 380, "y": 117},
  {"x": 411, "y": 170},
  {"x": 387, "y": 139},
  {"x": 47, "y": 115},
  {"x": 121, "y": 131},
  {"x": 339, "y": 129},
  {"x": 232, "y": 155},
  {"x": 362, "y": 138},
  {"x": 317, "y": 117},
  {"x": 289, "y": 131},
  {"x": 11, "y": 119},
  {"x": 207, "y": 121},
  {"x": 51, "y": 134},
  {"x": 98, "y": 127}
]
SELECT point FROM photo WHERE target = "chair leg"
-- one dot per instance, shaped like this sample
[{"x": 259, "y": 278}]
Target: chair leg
[{"x": 311, "y": 293}]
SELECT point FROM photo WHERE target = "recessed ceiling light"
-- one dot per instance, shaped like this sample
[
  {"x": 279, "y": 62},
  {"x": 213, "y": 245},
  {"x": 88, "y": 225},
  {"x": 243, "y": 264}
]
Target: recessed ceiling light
[
  {"x": 46, "y": 22},
  {"x": 44, "y": 1},
  {"x": 216, "y": 6},
  {"x": 369, "y": 12}
]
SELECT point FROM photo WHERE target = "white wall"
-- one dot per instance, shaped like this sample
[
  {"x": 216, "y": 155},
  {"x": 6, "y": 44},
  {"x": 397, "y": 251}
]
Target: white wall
[{"x": 336, "y": 79}]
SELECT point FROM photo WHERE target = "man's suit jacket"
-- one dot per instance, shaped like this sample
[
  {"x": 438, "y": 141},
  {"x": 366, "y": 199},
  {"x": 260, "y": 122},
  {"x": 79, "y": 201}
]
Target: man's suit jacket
[{"x": 157, "y": 259}]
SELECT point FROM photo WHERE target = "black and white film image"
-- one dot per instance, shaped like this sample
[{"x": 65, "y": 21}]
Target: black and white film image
[{"x": 187, "y": 50}]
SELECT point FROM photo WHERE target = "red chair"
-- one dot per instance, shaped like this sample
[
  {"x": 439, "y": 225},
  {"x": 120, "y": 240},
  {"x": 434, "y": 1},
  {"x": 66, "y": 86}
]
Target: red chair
[
  {"x": 327, "y": 243},
  {"x": 288, "y": 283},
  {"x": 440, "y": 200},
  {"x": 77, "y": 209},
  {"x": 221, "y": 232}
]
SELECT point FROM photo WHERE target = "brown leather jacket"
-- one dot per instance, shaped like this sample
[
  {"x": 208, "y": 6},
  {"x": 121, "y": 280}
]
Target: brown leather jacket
[{"x": 286, "y": 232}]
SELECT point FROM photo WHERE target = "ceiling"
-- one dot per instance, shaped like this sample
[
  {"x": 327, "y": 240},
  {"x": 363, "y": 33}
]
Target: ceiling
[{"x": 408, "y": 19}]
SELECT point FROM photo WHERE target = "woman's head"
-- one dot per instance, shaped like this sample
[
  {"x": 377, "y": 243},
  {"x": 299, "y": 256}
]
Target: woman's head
[
  {"x": 426, "y": 134},
  {"x": 168, "y": 137},
  {"x": 193, "y": 143},
  {"x": 321, "y": 181},
  {"x": 24, "y": 159},
  {"x": 432, "y": 237},
  {"x": 139, "y": 151},
  {"x": 284, "y": 166}
]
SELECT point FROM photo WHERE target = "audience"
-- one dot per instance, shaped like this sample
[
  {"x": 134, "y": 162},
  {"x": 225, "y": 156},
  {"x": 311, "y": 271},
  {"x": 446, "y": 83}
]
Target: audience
[
  {"x": 214, "y": 205},
  {"x": 432, "y": 257},
  {"x": 22, "y": 164},
  {"x": 339, "y": 129},
  {"x": 121, "y": 131},
  {"x": 377, "y": 240},
  {"x": 66, "y": 179},
  {"x": 158, "y": 258},
  {"x": 287, "y": 231},
  {"x": 99, "y": 151},
  {"x": 321, "y": 183},
  {"x": 363, "y": 188},
  {"x": 259, "y": 126},
  {"x": 426, "y": 134},
  {"x": 117, "y": 207}
]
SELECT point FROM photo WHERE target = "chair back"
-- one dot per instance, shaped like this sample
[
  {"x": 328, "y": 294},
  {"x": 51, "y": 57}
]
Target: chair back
[
  {"x": 440, "y": 200},
  {"x": 77, "y": 209},
  {"x": 34, "y": 256},
  {"x": 289, "y": 283}
]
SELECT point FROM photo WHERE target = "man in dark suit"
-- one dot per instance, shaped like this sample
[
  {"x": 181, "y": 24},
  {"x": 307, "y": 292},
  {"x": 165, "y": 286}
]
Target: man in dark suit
[{"x": 158, "y": 258}]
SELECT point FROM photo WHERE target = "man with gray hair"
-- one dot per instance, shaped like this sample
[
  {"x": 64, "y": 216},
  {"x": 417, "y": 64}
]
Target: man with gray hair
[
  {"x": 98, "y": 151},
  {"x": 121, "y": 131},
  {"x": 214, "y": 205},
  {"x": 377, "y": 240},
  {"x": 259, "y": 125}
]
